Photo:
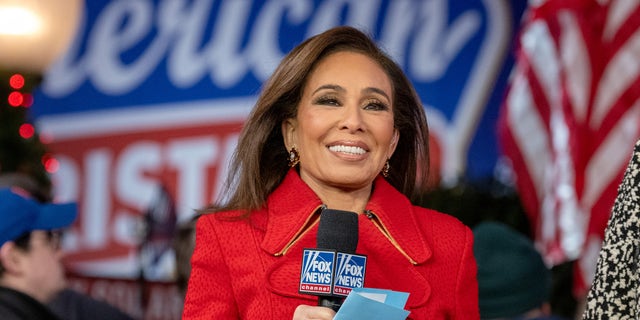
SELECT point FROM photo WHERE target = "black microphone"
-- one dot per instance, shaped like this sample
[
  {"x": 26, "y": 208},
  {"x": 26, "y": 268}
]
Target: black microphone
[{"x": 338, "y": 231}]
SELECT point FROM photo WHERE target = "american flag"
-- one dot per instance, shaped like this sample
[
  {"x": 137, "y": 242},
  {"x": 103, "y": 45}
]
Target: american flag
[{"x": 570, "y": 118}]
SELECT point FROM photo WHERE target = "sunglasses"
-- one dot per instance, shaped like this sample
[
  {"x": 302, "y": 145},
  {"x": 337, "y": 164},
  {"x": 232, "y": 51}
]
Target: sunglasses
[{"x": 54, "y": 238}]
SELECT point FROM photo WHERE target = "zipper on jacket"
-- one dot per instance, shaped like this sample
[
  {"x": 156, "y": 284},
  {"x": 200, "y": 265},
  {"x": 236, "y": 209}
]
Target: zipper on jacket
[
  {"x": 308, "y": 224},
  {"x": 376, "y": 221}
]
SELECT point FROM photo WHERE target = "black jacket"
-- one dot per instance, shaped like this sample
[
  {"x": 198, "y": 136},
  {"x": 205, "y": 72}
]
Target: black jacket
[
  {"x": 73, "y": 305},
  {"x": 15, "y": 305}
]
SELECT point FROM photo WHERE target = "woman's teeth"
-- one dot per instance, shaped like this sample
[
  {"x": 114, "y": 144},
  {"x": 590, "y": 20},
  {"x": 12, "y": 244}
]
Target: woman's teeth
[{"x": 347, "y": 149}]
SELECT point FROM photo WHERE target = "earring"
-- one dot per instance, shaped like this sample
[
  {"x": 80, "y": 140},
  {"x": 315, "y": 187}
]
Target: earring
[
  {"x": 385, "y": 169},
  {"x": 294, "y": 157}
]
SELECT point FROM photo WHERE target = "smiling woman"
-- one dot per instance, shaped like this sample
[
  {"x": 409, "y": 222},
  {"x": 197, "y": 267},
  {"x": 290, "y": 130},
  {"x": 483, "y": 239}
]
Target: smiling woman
[
  {"x": 337, "y": 128},
  {"x": 343, "y": 130}
]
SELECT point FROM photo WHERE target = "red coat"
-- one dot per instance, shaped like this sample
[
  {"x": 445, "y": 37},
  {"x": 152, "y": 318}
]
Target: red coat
[{"x": 250, "y": 269}]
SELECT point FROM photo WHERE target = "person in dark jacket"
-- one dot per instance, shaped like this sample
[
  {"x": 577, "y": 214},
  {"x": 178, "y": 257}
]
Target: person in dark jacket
[
  {"x": 514, "y": 283},
  {"x": 67, "y": 304},
  {"x": 31, "y": 272}
]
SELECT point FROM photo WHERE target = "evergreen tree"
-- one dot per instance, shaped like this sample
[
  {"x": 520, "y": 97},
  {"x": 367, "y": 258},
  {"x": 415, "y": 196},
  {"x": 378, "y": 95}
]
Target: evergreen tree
[{"x": 21, "y": 150}]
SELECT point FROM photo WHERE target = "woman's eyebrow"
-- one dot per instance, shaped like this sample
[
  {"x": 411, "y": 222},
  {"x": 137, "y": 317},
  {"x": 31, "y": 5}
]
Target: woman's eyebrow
[
  {"x": 336, "y": 87},
  {"x": 330, "y": 87},
  {"x": 376, "y": 90}
]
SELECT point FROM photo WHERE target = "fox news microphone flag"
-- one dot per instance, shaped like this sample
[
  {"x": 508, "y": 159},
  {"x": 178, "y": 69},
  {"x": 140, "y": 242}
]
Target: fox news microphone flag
[{"x": 332, "y": 270}]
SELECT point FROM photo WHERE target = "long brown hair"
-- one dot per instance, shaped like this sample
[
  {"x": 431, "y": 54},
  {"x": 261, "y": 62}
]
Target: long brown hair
[{"x": 259, "y": 163}]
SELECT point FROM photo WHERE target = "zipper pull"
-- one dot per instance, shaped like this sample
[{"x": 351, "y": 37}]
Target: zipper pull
[{"x": 369, "y": 214}]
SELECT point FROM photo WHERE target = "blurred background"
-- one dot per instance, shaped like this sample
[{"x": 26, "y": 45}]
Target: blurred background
[{"x": 133, "y": 108}]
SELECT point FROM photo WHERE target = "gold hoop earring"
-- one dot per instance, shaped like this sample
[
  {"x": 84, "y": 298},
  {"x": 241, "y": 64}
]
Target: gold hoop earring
[
  {"x": 294, "y": 157},
  {"x": 385, "y": 169}
]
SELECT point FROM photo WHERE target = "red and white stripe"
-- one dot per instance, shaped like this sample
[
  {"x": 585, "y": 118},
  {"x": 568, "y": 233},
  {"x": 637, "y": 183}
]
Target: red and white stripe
[{"x": 570, "y": 118}]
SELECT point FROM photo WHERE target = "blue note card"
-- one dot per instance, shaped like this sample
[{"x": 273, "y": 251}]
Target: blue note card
[{"x": 373, "y": 304}]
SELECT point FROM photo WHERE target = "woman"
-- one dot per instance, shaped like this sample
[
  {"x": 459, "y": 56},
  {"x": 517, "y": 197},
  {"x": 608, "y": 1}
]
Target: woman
[
  {"x": 614, "y": 292},
  {"x": 338, "y": 126}
]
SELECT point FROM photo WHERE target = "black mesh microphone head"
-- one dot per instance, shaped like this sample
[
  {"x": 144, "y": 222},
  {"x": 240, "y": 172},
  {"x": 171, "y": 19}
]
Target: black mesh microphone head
[{"x": 338, "y": 230}]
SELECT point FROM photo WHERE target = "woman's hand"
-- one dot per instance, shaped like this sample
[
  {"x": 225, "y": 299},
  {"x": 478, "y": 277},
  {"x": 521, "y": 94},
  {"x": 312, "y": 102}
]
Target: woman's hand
[{"x": 305, "y": 312}]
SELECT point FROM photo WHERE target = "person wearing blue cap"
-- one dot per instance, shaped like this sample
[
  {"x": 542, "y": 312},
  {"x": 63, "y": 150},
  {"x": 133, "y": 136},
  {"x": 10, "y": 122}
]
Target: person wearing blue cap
[{"x": 31, "y": 272}]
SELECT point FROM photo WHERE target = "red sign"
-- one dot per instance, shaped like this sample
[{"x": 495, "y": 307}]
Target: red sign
[{"x": 115, "y": 171}]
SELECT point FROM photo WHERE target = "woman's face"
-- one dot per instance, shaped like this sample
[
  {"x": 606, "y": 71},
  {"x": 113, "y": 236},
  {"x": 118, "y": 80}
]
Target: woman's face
[{"x": 344, "y": 129}]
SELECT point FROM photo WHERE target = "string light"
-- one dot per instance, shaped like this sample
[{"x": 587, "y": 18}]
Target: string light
[
  {"x": 15, "y": 99},
  {"x": 26, "y": 130},
  {"x": 50, "y": 163},
  {"x": 27, "y": 100},
  {"x": 16, "y": 81}
]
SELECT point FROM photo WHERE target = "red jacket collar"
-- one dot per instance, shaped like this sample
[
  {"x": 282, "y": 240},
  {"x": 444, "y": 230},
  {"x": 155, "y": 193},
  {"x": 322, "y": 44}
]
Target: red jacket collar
[{"x": 293, "y": 202}]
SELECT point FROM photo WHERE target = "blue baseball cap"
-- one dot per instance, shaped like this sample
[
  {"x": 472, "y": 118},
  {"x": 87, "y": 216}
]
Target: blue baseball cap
[{"x": 19, "y": 214}]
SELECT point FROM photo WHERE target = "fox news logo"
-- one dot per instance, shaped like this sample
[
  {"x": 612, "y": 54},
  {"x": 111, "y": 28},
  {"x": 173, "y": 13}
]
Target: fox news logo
[
  {"x": 349, "y": 274},
  {"x": 317, "y": 271}
]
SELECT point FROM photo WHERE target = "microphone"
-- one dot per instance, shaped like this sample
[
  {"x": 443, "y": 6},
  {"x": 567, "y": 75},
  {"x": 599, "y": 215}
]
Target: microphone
[
  {"x": 338, "y": 230},
  {"x": 332, "y": 270}
]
